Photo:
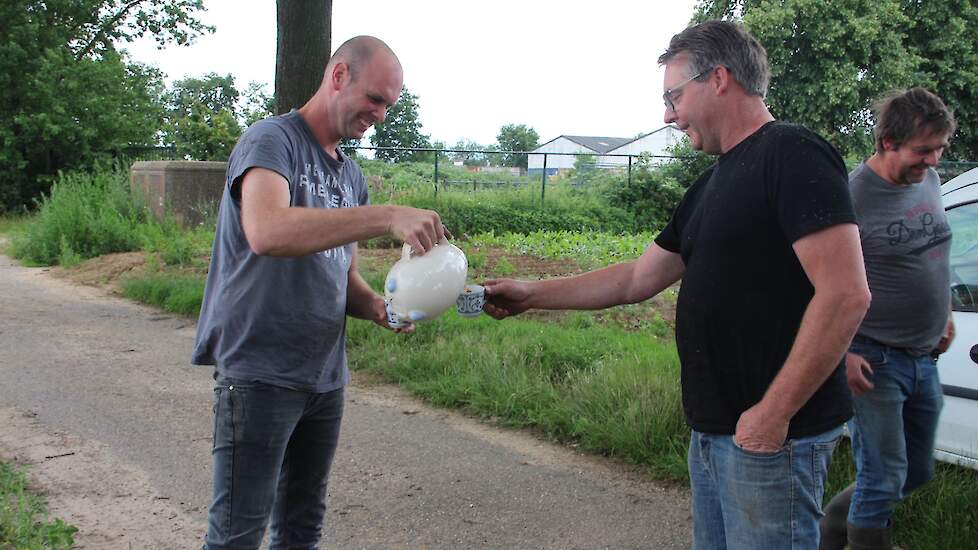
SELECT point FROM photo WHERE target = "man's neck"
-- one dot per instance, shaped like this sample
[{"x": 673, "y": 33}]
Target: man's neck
[
  {"x": 877, "y": 164},
  {"x": 316, "y": 118},
  {"x": 748, "y": 117}
]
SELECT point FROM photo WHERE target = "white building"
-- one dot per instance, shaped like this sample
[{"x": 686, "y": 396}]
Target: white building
[{"x": 656, "y": 143}]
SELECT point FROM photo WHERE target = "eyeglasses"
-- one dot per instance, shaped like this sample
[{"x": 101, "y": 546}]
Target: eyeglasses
[{"x": 669, "y": 97}]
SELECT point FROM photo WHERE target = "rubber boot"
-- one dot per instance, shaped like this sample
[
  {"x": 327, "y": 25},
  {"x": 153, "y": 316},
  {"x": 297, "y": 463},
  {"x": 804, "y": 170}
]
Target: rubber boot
[
  {"x": 870, "y": 539},
  {"x": 832, "y": 526}
]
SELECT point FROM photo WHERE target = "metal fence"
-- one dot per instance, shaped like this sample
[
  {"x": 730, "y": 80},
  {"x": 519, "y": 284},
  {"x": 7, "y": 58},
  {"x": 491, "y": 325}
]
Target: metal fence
[
  {"x": 946, "y": 169},
  {"x": 440, "y": 183}
]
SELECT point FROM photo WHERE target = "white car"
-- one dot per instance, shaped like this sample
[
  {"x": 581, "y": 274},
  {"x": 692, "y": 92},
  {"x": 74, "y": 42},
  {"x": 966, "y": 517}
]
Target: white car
[{"x": 957, "y": 433}]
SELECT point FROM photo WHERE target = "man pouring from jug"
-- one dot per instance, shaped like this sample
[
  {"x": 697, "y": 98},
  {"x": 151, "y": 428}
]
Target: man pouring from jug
[{"x": 283, "y": 277}]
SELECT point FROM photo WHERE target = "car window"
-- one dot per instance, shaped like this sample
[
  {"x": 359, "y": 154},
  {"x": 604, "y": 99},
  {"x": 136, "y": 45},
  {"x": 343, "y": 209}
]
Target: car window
[{"x": 963, "y": 220}]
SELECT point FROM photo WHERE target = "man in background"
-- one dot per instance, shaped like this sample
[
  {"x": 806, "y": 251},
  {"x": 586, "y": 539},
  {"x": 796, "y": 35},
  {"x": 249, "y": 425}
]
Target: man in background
[{"x": 891, "y": 367}]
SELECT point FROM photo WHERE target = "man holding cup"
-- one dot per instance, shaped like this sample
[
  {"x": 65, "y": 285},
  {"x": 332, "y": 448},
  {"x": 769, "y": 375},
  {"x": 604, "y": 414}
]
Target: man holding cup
[{"x": 773, "y": 290}]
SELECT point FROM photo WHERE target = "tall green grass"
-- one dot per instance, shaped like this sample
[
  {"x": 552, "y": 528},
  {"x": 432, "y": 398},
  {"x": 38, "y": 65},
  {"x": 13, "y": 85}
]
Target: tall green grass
[
  {"x": 85, "y": 215},
  {"x": 89, "y": 214},
  {"x": 24, "y": 522},
  {"x": 619, "y": 398},
  {"x": 12, "y": 224},
  {"x": 181, "y": 294}
]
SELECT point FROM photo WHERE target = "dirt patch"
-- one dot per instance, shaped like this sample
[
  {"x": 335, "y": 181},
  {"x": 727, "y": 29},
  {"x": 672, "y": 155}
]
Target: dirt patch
[
  {"x": 73, "y": 473},
  {"x": 104, "y": 272}
]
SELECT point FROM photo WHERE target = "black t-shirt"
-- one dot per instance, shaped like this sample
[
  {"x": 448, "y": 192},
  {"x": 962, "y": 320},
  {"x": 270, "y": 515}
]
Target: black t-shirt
[{"x": 744, "y": 291}]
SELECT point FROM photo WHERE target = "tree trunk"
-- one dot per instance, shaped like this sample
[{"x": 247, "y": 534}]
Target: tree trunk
[{"x": 302, "y": 50}]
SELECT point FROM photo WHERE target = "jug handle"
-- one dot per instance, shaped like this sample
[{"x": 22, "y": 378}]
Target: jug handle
[{"x": 406, "y": 249}]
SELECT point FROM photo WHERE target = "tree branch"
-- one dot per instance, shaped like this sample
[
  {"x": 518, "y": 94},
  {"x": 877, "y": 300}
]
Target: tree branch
[{"x": 108, "y": 24}]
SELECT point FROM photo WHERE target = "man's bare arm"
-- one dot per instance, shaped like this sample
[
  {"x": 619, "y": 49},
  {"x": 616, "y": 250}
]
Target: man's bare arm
[
  {"x": 274, "y": 229},
  {"x": 625, "y": 283}
]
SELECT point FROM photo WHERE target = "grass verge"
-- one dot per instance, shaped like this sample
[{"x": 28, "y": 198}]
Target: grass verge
[
  {"x": 174, "y": 293},
  {"x": 23, "y": 517},
  {"x": 619, "y": 398}
]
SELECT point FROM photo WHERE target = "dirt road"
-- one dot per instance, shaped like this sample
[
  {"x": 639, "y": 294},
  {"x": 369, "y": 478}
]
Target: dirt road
[{"x": 97, "y": 397}]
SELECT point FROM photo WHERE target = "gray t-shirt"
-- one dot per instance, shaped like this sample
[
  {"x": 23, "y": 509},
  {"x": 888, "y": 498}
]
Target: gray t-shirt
[
  {"x": 905, "y": 239},
  {"x": 281, "y": 321}
]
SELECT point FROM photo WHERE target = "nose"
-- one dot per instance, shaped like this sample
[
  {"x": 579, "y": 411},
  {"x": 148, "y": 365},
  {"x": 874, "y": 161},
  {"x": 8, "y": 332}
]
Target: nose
[
  {"x": 380, "y": 113},
  {"x": 670, "y": 116},
  {"x": 934, "y": 157}
]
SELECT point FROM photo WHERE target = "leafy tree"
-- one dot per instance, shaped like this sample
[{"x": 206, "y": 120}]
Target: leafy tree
[
  {"x": 302, "y": 50},
  {"x": 687, "y": 164},
  {"x": 831, "y": 60},
  {"x": 943, "y": 36},
  {"x": 255, "y": 104},
  {"x": 68, "y": 97},
  {"x": 470, "y": 159},
  {"x": 401, "y": 128},
  {"x": 201, "y": 117},
  {"x": 516, "y": 137}
]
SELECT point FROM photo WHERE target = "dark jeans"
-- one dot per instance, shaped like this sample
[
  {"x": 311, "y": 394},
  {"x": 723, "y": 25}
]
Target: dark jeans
[{"x": 271, "y": 445}]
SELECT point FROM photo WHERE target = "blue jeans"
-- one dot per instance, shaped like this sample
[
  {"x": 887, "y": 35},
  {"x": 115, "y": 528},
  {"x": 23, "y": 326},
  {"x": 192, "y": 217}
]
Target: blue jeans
[
  {"x": 892, "y": 431},
  {"x": 747, "y": 500},
  {"x": 271, "y": 445}
]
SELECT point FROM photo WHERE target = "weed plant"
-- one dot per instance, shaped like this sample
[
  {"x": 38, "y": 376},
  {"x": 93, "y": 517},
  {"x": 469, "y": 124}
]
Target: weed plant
[
  {"x": 23, "y": 517},
  {"x": 85, "y": 215}
]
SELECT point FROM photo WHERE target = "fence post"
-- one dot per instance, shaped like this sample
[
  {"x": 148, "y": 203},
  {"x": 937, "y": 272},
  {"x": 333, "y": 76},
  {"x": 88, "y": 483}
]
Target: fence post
[
  {"x": 629, "y": 170},
  {"x": 543, "y": 180},
  {"x": 436, "y": 173}
]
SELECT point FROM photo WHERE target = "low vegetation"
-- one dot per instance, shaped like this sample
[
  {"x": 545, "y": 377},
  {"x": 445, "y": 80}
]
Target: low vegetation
[{"x": 24, "y": 522}]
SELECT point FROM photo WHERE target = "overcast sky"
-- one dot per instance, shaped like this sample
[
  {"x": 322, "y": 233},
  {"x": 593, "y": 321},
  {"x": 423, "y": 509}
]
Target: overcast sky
[{"x": 572, "y": 67}]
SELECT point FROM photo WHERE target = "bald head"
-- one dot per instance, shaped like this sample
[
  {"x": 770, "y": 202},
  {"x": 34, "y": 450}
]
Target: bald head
[{"x": 356, "y": 52}]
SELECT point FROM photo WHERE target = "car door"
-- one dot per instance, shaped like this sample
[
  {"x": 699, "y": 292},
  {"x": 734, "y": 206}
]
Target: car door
[{"x": 957, "y": 434}]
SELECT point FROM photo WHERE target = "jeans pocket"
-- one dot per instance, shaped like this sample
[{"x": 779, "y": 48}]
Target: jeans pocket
[
  {"x": 758, "y": 454},
  {"x": 874, "y": 355}
]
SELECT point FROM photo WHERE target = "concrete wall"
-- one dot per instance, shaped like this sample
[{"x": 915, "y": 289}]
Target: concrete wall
[{"x": 187, "y": 190}]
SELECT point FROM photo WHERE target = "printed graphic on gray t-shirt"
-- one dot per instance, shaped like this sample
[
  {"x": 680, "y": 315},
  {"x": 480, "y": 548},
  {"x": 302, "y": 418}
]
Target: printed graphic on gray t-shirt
[
  {"x": 281, "y": 321},
  {"x": 906, "y": 240}
]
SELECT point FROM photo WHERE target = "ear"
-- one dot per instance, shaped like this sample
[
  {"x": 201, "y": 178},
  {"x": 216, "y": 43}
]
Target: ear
[
  {"x": 339, "y": 75},
  {"x": 888, "y": 145},
  {"x": 721, "y": 79}
]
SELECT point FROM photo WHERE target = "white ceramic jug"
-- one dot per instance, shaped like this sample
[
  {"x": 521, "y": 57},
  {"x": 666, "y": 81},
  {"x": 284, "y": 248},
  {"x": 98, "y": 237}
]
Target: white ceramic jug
[{"x": 420, "y": 288}]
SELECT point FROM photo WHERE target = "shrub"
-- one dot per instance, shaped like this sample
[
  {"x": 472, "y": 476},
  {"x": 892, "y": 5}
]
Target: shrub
[{"x": 86, "y": 214}]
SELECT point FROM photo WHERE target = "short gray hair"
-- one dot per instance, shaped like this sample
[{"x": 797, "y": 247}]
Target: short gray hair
[{"x": 726, "y": 43}]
